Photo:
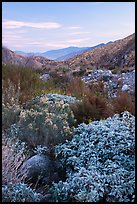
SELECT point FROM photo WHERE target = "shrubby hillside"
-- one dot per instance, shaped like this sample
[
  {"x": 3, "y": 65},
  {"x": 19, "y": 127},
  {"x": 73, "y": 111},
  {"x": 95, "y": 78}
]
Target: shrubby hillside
[
  {"x": 68, "y": 135},
  {"x": 99, "y": 158},
  {"x": 119, "y": 54}
]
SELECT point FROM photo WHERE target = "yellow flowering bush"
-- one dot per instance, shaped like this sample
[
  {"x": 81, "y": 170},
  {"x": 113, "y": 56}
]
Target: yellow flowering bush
[{"x": 45, "y": 122}]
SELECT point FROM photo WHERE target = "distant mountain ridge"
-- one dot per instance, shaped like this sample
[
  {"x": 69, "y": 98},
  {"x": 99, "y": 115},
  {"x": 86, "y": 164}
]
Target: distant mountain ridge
[
  {"x": 54, "y": 54},
  {"x": 60, "y": 54},
  {"x": 68, "y": 56},
  {"x": 117, "y": 54}
]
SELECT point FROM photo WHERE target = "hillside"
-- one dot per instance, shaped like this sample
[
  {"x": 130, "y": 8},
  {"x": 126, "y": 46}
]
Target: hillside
[
  {"x": 10, "y": 57},
  {"x": 120, "y": 53},
  {"x": 35, "y": 62}
]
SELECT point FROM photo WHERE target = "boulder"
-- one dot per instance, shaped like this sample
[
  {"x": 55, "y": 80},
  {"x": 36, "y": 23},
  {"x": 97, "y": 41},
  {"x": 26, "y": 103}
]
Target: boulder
[
  {"x": 40, "y": 168},
  {"x": 125, "y": 87}
]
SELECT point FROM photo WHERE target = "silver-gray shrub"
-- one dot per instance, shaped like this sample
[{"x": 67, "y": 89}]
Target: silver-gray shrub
[
  {"x": 100, "y": 162},
  {"x": 19, "y": 192},
  {"x": 45, "y": 122}
]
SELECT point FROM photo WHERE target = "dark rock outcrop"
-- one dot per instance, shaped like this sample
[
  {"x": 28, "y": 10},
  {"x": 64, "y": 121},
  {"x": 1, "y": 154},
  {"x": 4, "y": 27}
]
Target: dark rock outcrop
[{"x": 41, "y": 169}]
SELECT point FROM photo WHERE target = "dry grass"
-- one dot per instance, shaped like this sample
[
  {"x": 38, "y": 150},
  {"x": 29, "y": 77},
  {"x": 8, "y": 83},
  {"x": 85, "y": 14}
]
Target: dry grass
[
  {"x": 77, "y": 88},
  {"x": 91, "y": 108},
  {"x": 10, "y": 164},
  {"x": 23, "y": 82},
  {"x": 124, "y": 102}
]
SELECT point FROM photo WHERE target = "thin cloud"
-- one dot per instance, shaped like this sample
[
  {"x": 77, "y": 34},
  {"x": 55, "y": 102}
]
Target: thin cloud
[
  {"x": 19, "y": 24},
  {"x": 78, "y": 40},
  {"x": 73, "y": 27},
  {"x": 79, "y": 33}
]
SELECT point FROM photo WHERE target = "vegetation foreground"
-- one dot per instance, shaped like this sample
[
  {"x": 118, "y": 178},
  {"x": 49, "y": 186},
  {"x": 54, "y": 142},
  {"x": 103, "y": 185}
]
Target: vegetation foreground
[{"x": 91, "y": 136}]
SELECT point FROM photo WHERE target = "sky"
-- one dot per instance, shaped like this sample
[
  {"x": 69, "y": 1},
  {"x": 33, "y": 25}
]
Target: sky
[{"x": 43, "y": 26}]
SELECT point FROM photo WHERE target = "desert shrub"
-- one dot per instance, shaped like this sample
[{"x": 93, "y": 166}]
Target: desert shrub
[
  {"x": 49, "y": 87},
  {"x": 19, "y": 192},
  {"x": 91, "y": 107},
  {"x": 10, "y": 92},
  {"x": 59, "y": 80},
  {"x": 99, "y": 161},
  {"x": 97, "y": 87},
  {"x": 11, "y": 160},
  {"x": 45, "y": 122},
  {"x": 10, "y": 104},
  {"x": 124, "y": 102},
  {"x": 80, "y": 72},
  {"x": 59, "y": 97},
  {"x": 10, "y": 115},
  {"x": 25, "y": 78},
  {"x": 77, "y": 88}
]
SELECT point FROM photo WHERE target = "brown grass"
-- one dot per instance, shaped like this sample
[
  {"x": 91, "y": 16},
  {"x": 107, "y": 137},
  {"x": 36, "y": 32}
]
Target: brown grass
[
  {"x": 77, "y": 88},
  {"x": 124, "y": 102},
  {"x": 92, "y": 107},
  {"x": 23, "y": 81},
  {"x": 10, "y": 164}
]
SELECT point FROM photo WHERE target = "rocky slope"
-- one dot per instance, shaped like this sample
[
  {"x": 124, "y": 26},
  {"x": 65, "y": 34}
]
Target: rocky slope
[
  {"x": 120, "y": 53},
  {"x": 10, "y": 57},
  {"x": 35, "y": 62}
]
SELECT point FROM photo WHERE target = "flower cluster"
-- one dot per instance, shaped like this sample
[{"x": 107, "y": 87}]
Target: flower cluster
[
  {"x": 100, "y": 162},
  {"x": 45, "y": 122}
]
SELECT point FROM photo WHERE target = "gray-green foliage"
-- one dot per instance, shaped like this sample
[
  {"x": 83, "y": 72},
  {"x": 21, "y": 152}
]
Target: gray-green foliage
[
  {"x": 10, "y": 115},
  {"x": 45, "y": 122},
  {"x": 58, "y": 97},
  {"x": 100, "y": 162},
  {"x": 10, "y": 104},
  {"x": 19, "y": 192}
]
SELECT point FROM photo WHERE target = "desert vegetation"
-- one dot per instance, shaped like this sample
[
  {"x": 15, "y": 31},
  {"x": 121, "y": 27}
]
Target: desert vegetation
[{"x": 66, "y": 117}]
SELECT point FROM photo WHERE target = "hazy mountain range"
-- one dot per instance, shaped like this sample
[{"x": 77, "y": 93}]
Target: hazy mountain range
[
  {"x": 61, "y": 54},
  {"x": 119, "y": 53}
]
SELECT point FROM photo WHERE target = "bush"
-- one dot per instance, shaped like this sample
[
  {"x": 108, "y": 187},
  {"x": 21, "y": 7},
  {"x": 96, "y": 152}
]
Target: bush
[
  {"x": 91, "y": 107},
  {"x": 77, "y": 88},
  {"x": 60, "y": 80},
  {"x": 100, "y": 162},
  {"x": 26, "y": 80},
  {"x": 59, "y": 97},
  {"x": 10, "y": 115},
  {"x": 124, "y": 102},
  {"x": 45, "y": 122},
  {"x": 11, "y": 160},
  {"x": 19, "y": 192},
  {"x": 10, "y": 104}
]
